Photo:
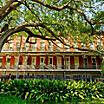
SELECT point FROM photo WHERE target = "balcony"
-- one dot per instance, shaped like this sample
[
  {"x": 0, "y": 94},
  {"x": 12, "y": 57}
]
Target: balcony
[{"x": 50, "y": 68}]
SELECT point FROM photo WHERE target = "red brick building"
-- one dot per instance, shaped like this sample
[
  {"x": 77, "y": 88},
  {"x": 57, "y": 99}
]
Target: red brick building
[{"x": 45, "y": 59}]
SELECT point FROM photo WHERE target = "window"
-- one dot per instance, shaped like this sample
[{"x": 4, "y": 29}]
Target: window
[
  {"x": 11, "y": 45},
  {"x": 42, "y": 45},
  {"x": 8, "y": 62},
  {"x": 85, "y": 63},
  {"x": 21, "y": 60},
  {"x": 94, "y": 63},
  {"x": 42, "y": 64},
  {"x": 42, "y": 60},
  {"x": 50, "y": 46},
  {"x": 0, "y": 61},
  {"x": 18, "y": 46},
  {"x": 67, "y": 63},
  {"x": 50, "y": 60},
  {"x": 33, "y": 47},
  {"x": 75, "y": 45},
  {"x": 29, "y": 60}
]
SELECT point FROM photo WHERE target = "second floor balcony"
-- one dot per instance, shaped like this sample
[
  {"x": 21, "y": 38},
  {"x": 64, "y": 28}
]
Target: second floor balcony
[
  {"x": 33, "y": 68},
  {"x": 49, "y": 62}
]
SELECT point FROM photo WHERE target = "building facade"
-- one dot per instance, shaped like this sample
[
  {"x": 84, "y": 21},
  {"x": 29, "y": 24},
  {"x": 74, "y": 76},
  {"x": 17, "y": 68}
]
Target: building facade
[{"x": 46, "y": 59}]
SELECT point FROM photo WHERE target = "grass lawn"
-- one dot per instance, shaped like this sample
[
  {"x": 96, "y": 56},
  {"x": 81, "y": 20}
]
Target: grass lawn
[
  {"x": 96, "y": 101},
  {"x": 88, "y": 101},
  {"x": 4, "y": 99}
]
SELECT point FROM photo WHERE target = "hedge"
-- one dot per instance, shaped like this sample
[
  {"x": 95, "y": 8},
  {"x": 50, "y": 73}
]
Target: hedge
[{"x": 53, "y": 90}]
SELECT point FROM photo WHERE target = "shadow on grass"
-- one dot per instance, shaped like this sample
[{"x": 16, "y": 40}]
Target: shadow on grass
[{"x": 5, "y": 99}]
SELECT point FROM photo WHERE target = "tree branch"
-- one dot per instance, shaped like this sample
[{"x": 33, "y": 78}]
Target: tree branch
[
  {"x": 52, "y": 7},
  {"x": 31, "y": 10},
  {"x": 10, "y": 8},
  {"x": 55, "y": 44},
  {"x": 27, "y": 40},
  {"x": 68, "y": 7},
  {"x": 21, "y": 28},
  {"x": 34, "y": 35},
  {"x": 5, "y": 7}
]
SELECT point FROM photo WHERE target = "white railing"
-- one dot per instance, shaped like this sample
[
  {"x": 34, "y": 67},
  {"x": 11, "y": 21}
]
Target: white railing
[
  {"x": 50, "y": 67},
  {"x": 46, "y": 70}
]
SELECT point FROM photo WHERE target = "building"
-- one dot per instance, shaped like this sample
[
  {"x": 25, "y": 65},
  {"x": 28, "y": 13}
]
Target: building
[{"x": 46, "y": 60}]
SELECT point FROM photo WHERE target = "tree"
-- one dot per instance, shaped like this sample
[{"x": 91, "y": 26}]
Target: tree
[{"x": 53, "y": 20}]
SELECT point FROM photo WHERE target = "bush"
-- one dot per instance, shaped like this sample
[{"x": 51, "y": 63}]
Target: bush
[{"x": 53, "y": 90}]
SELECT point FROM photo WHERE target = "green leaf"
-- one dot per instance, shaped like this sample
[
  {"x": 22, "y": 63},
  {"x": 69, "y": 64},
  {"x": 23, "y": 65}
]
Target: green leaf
[
  {"x": 81, "y": 96},
  {"x": 48, "y": 1},
  {"x": 26, "y": 95}
]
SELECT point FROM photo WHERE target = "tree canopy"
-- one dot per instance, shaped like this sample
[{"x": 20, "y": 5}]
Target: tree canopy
[{"x": 52, "y": 19}]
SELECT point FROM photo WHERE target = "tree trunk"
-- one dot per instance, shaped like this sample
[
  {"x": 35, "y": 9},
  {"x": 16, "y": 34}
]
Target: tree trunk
[{"x": 4, "y": 38}]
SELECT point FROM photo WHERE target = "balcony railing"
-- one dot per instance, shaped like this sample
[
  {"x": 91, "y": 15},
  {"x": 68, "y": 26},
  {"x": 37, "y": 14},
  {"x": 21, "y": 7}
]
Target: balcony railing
[{"x": 49, "y": 68}]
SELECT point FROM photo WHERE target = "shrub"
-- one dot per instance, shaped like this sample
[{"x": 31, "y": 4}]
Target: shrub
[{"x": 53, "y": 90}]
